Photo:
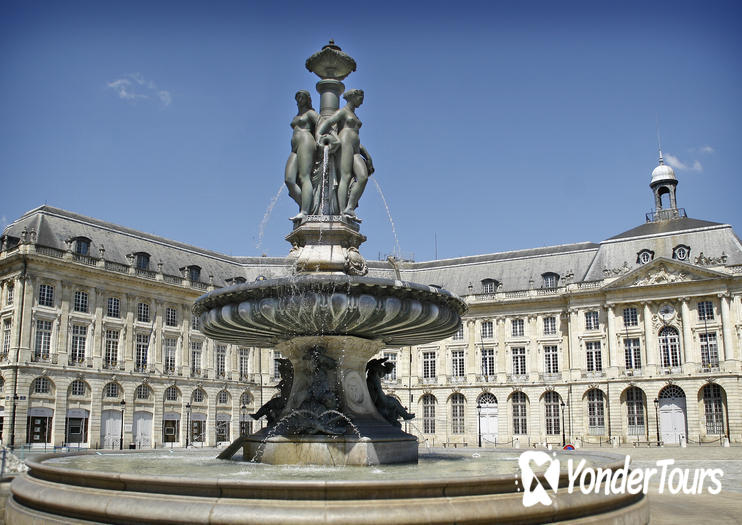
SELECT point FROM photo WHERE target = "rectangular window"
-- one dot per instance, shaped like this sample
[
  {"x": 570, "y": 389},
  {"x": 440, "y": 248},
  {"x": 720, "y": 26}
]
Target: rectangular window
[
  {"x": 594, "y": 357},
  {"x": 110, "y": 359},
  {"x": 518, "y": 327},
  {"x": 632, "y": 354},
  {"x": 143, "y": 313},
  {"x": 9, "y": 294},
  {"x": 705, "y": 311},
  {"x": 77, "y": 352},
  {"x": 6, "y": 336},
  {"x": 428, "y": 416},
  {"x": 114, "y": 307},
  {"x": 709, "y": 350},
  {"x": 488, "y": 362},
  {"x": 551, "y": 359},
  {"x": 391, "y": 358},
  {"x": 549, "y": 325},
  {"x": 43, "y": 340},
  {"x": 487, "y": 330},
  {"x": 630, "y": 317},
  {"x": 592, "y": 320},
  {"x": 457, "y": 363},
  {"x": 276, "y": 370},
  {"x": 244, "y": 363},
  {"x": 81, "y": 301},
  {"x": 196, "y": 347},
  {"x": 142, "y": 346},
  {"x": 552, "y": 415},
  {"x": 519, "y": 361},
  {"x": 429, "y": 365},
  {"x": 171, "y": 317},
  {"x": 195, "y": 323},
  {"x": 169, "y": 358},
  {"x": 457, "y": 415},
  {"x": 221, "y": 360},
  {"x": 595, "y": 412},
  {"x": 46, "y": 295},
  {"x": 520, "y": 425},
  {"x": 459, "y": 335}
]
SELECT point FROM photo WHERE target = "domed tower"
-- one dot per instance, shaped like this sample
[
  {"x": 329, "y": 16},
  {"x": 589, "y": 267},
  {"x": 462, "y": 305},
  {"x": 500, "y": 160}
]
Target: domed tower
[{"x": 664, "y": 182}]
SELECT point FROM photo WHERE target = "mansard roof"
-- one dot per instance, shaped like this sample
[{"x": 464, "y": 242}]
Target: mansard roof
[{"x": 660, "y": 227}]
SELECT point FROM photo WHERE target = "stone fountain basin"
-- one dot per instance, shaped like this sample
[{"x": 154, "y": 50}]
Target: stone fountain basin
[
  {"x": 264, "y": 313},
  {"x": 55, "y": 490}
]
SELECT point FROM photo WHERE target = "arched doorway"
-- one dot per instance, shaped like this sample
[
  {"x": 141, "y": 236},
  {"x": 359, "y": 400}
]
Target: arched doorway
[
  {"x": 110, "y": 428},
  {"x": 142, "y": 429},
  {"x": 488, "y": 416},
  {"x": 673, "y": 420}
]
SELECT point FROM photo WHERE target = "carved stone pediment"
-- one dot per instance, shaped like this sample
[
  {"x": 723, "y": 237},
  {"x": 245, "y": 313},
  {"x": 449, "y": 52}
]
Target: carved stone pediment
[{"x": 663, "y": 271}]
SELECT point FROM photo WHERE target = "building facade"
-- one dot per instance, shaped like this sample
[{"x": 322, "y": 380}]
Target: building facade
[{"x": 636, "y": 338}]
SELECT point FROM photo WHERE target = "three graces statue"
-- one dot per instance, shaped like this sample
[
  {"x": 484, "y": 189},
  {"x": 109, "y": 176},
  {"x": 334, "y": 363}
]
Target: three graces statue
[{"x": 305, "y": 166}]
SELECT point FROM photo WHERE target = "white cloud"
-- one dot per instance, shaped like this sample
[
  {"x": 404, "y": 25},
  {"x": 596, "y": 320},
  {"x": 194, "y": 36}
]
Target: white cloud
[
  {"x": 707, "y": 149},
  {"x": 677, "y": 164},
  {"x": 134, "y": 86}
]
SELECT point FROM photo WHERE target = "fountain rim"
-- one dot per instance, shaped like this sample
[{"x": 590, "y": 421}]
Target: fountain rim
[
  {"x": 297, "y": 489},
  {"x": 314, "y": 282}
]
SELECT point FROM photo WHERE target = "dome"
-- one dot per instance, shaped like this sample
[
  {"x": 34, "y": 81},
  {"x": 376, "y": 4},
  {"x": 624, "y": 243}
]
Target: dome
[{"x": 663, "y": 173}]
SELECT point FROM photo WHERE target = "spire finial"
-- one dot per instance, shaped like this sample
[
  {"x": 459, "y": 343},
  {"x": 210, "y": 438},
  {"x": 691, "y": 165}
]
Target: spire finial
[{"x": 659, "y": 141}]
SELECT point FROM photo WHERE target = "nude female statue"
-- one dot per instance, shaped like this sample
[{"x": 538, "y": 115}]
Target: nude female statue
[
  {"x": 301, "y": 160},
  {"x": 353, "y": 160}
]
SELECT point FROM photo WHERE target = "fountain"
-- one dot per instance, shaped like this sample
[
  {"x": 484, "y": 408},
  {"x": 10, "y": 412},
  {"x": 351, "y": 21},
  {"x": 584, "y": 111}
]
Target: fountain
[{"x": 328, "y": 319}]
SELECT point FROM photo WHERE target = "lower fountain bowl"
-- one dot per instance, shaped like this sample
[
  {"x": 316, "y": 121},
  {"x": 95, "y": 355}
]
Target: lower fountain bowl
[{"x": 52, "y": 492}]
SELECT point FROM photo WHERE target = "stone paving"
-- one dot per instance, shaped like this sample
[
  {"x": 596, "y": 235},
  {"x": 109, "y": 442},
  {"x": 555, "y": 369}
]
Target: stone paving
[{"x": 669, "y": 509}]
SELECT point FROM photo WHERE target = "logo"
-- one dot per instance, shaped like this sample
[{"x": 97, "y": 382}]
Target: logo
[
  {"x": 591, "y": 480},
  {"x": 533, "y": 491}
]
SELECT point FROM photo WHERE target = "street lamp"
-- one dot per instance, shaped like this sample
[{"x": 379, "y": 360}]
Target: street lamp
[
  {"x": 564, "y": 439},
  {"x": 657, "y": 418},
  {"x": 243, "y": 423},
  {"x": 188, "y": 422},
  {"x": 121, "y": 437},
  {"x": 479, "y": 425}
]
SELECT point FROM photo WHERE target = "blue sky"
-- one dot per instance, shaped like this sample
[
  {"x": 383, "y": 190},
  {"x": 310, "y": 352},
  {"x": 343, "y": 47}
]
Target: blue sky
[{"x": 493, "y": 125}]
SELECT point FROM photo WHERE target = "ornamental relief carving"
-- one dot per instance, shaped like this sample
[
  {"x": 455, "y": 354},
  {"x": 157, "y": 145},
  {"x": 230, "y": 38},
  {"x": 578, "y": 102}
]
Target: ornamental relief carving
[{"x": 662, "y": 276}]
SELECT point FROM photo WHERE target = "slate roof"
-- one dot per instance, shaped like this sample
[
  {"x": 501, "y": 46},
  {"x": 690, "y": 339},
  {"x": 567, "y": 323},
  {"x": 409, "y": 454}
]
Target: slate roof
[{"x": 515, "y": 270}]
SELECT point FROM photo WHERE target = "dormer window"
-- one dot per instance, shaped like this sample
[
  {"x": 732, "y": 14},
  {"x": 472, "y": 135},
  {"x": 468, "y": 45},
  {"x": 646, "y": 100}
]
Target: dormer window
[
  {"x": 194, "y": 273},
  {"x": 235, "y": 280},
  {"x": 141, "y": 259},
  {"x": 550, "y": 280},
  {"x": 260, "y": 278},
  {"x": 681, "y": 252},
  {"x": 489, "y": 285},
  {"x": 644, "y": 256},
  {"x": 82, "y": 246}
]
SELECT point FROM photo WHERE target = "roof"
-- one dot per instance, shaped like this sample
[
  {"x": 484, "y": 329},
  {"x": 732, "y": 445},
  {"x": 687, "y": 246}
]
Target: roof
[{"x": 659, "y": 227}]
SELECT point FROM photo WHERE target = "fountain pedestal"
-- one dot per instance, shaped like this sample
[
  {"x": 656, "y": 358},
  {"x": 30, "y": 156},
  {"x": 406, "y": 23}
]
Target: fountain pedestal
[
  {"x": 330, "y": 417},
  {"x": 327, "y": 243}
]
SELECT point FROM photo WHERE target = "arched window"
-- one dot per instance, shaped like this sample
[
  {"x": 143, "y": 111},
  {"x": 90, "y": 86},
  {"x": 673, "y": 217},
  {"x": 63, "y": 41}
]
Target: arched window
[
  {"x": 635, "y": 411},
  {"x": 457, "y": 414},
  {"x": 595, "y": 412},
  {"x": 197, "y": 396},
  {"x": 671, "y": 391},
  {"x": 77, "y": 388},
  {"x": 142, "y": 392},
  {"x": 552, "y": 402},
  {"x": 520, "y": 425},
  {"x": 487, "y": 400},
  {"x": 429, "y": 414},
  {"x": 713, "y": 409},
  {"x": 669, "y": 347},
  {"x": 222, "y": 397},
  {"x": 111, "y": 390},
  {"x": 42, "y": 385},
  {"x": 171, "y": 393}
]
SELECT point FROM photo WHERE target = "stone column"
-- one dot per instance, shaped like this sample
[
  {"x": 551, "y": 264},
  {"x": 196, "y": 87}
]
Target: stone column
[
  {"x": 726, "y": 328},
  {"x": 574, "y": 323},
  {"x": 649, "y": 348},
  {"x": 611, "y": 324},
  {"x": 688, "y": 348}
]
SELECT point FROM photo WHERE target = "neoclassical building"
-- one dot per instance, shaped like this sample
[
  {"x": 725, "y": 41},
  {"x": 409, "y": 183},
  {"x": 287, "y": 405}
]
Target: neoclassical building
[{"x": 635, "y": 338}]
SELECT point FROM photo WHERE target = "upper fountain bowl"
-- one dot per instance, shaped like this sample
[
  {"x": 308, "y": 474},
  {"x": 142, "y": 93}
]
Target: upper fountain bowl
[{"x": 265, "y": 313}]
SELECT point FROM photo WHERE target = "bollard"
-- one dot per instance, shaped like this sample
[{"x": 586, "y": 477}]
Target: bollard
[
  {"x": 516, "y": 443},
  {"x": 725, "y": 443},
  {"x": 2, "y": 469}
]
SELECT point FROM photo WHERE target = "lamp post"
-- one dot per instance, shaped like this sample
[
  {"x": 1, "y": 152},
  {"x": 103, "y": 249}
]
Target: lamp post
[
  {"x": 121, "y": 437},
  {"x": 564, "y": 438},
  {"x": 479, "y": 421},
  {"x": 657, "y": 418},
  {"x": 188, "y": 422},
  {"x": 243, "y": 421}
]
